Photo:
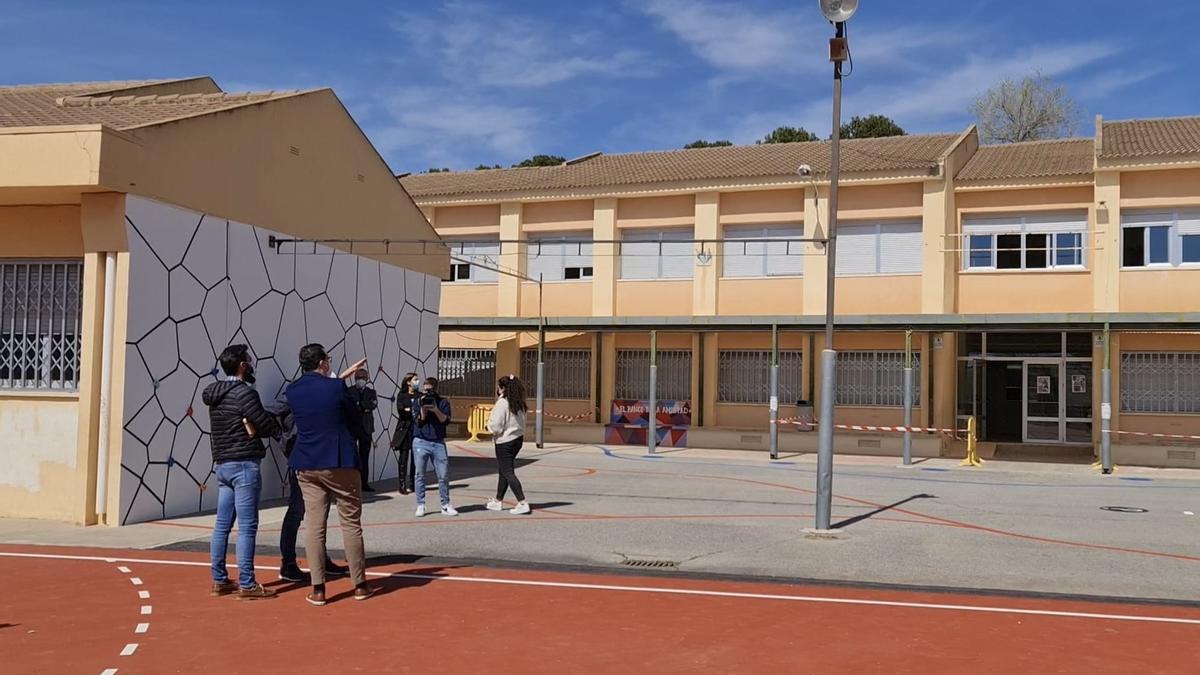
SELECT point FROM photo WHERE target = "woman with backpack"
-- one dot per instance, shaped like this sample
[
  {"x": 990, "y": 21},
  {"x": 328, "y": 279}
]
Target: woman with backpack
[{"x": 507, "y": 424}]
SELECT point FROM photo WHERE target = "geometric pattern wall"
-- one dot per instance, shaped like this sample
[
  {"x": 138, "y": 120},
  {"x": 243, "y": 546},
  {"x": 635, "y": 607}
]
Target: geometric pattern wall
[{"x": 198, "y": 283}]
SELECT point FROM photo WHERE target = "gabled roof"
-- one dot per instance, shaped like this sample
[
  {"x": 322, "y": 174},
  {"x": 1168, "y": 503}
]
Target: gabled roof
[
  {"x": 918, "y": 154},
  {"x": 120, "y": 105},
  {"x": 1128, "y": 139},
  {"x": 1034, "y": 159}
]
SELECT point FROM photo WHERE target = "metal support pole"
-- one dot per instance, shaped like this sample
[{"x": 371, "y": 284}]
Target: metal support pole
[
  {"x": 652, "y": 413},
  {"x": 1106, "y": 465},
  {"x": 829, "y": 356},
  {"x": 908, "y": 397},
  {"x": 773, "y": 401},
  {"x": 540, "y": 424}
]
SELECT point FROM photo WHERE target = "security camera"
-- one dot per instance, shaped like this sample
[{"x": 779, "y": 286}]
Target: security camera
[{"x": 804, "y": 171}]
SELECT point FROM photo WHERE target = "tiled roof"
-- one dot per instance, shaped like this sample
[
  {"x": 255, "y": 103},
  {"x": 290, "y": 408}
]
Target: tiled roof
[
  {"x": 918, "y": 154},
  {"x": 1035, "y": 159},
  {"x": 1151, "y": 138},
  {"x": 120, "y": 105}
]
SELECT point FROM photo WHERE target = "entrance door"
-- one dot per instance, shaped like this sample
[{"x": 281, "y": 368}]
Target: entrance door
[{"x": 1043, "y": 401}]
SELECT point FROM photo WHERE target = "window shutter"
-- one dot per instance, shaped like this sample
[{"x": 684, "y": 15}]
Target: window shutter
[
  {"x": 1056, "y": 222},
  {"x": 639, "y": 255},
  {"x": 900, "y": 248},
  {"x": 744, "y": 257},
  {"x": 577, "y": 254},
  {"x": 545, "y": 258},
  {"x": 486, "y": 253},
  {"x": 785, "y": 258},
  {"x": 1146, "y": 218},
  {"x": 678, "y": 257},
  {"x": 856, "y": 252},
  {"x": 1189, "y": 222},
  {"x": 991, "y": 224}
]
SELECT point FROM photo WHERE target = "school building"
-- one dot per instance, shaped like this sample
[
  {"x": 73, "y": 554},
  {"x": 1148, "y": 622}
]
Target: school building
[
  {"x": 1006, "y": 262},
  {"x": 136, "y": 219}
]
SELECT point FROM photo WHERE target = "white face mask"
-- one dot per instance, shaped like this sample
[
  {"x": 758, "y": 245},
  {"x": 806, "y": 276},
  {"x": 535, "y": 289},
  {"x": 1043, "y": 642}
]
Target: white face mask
[{"x": 360, "y": 383}]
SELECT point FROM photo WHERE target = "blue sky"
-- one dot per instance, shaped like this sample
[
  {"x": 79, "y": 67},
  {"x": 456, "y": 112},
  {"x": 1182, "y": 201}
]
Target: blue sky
[{"x": 457, "y": 83}]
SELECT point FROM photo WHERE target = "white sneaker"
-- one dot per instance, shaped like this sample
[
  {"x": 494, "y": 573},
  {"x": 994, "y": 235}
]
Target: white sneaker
[
  {"x": 420, "y": 510},
  {"x": 448, "y": 510},
  {"x": 495, "y": 505},
  {"x": 521, "y": 509}
]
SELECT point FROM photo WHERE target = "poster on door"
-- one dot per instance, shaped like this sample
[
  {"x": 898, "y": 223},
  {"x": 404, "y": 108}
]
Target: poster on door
[
  {"x": 629, "y": 423},
  {"x": 1079, "y": 384},
  {"x": 1043, "y": 384}
]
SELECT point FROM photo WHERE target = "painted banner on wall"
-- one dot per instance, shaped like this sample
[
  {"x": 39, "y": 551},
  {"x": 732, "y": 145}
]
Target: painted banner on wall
[{"x": 629, "y": 422}]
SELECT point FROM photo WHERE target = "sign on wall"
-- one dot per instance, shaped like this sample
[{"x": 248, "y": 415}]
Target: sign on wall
[{"x": 629, "y": 423}]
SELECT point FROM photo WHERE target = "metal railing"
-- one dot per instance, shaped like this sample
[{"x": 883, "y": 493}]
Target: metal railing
[
  {"x": 1160, "y": 382},
  {"x": 467, "y": 372},
  {"x": 674, "y": 374},
  {"x": 568, "y": 372},
  {"x": 874, "y": 378},
  {"x": 743, "y": 376},
  {"x": 40, "y": 312}
]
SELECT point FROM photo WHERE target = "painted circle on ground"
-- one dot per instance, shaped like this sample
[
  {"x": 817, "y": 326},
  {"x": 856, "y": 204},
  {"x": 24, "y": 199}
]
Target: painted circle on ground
[{"x": 1125, "y": 509}]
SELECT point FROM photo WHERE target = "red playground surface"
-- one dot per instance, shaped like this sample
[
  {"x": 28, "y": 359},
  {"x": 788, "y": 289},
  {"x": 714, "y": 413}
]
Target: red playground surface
[{"x": 121, "y": 611}]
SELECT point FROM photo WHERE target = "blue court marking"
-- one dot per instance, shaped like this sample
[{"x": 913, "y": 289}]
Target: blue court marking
[
  {"x": 775, "y": 461},
  {"x": 1136, "y": 478},
  {"x": 849, "y": 472},
  {"x": 930, "y": 468}
]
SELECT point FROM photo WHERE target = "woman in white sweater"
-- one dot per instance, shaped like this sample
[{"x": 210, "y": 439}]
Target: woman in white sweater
[{"x": 507, "y": 425}]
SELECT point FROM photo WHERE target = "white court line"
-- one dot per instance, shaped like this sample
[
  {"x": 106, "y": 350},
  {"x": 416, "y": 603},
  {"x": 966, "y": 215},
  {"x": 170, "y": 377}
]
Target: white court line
[
  {"x": 129, "y": 649},
  {"x": 122, "y": 570},
  {"x": 109, "y": 671},
  {"x": 142, "y": 628},
  {"x": 144, "y": 595},
  {"x": 135, "y": 581},
  {"x": 682, "y": 591},
  {"x": 147, "y": 609}
]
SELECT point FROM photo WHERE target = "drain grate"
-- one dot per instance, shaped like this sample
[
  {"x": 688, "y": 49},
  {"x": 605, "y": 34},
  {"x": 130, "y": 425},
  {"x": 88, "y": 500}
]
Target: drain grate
[
  {"x": 1125, "y": 509},
  {"x": 651, "y": 564}
]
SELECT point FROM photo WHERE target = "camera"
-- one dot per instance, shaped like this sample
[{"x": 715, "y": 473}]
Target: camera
[{"x": 428, "y": 399}]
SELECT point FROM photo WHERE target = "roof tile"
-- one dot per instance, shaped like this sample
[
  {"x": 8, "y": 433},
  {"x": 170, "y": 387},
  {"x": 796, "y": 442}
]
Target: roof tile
[
  {"x": 1151, "y": 138},
  {"x": 1036, "y": 159}
]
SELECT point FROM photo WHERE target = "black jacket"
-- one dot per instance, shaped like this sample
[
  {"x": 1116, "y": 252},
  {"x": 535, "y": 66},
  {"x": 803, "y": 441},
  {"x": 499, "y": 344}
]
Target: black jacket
[
  {"x": 228, "y": 402},
  {"x": 367, "y": 401},
  {"x": 402, "y": 437}
]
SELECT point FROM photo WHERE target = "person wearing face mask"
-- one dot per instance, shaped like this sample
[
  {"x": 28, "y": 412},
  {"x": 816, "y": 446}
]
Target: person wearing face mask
[
  {"x": 325, "y": 459},
  {"x": 237, "y": 424},
  {"x": 507, "y": 424},
  {"x": 367, "y": 401},
  {"x": 429, "y": 445},
  {"x": 406, "y": 400}
]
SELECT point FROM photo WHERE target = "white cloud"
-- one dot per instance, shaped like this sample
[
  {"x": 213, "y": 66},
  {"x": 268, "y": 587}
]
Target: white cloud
[{"x": 1103, "y": 85}]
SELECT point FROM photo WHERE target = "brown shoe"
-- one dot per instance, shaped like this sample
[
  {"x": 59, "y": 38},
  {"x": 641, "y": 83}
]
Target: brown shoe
[
  {"x": 316, "y": 598},
  {"x": 363, "y": 592},
  {"x": 256, "y": 592},
  {"x": 223, "y": 588}
]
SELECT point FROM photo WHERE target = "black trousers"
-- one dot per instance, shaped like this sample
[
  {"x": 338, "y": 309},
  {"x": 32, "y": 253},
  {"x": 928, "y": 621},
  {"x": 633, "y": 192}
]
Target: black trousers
[
  {"x": 506, "y": 457},
  {"x": 291, "y": 523},
  {"x": 404, "y": 461},
  {"x": 364, "y": 459}
]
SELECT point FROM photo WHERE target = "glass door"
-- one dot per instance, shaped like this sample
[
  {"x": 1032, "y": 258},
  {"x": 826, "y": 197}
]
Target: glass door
[{"x": 1043, "y": 401}]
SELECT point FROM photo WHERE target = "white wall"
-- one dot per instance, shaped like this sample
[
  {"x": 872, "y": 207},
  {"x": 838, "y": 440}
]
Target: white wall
[{"x": 199, "y": 283}]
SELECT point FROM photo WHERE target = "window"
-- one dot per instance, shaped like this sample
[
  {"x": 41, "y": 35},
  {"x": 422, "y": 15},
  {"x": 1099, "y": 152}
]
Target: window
[
  {"x": 744, "y": 376},
  {"x": 879, "y": 248},
  {"x": 1030, "y": 242},
  {"x": 466, "y": 256},
  {"x": 746, "y": 255},
  {"x": 568, "y": 372},
  {"x": 874, "y": 378},
  {"x": 674, "y": 374},
  {"x": 1160, "y": 238},
  {"x": 40, "y": 313},
  {"x": 667, "y": 254},
  {"x": 560, "y": 257},
  {"x": 1160, "y": 382},
  {"x": 467, "y": 372}
]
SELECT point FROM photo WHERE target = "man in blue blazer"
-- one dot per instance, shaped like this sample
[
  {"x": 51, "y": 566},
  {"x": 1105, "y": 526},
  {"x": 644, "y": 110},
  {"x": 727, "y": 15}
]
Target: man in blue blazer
[{"x": 325, "y": 459}]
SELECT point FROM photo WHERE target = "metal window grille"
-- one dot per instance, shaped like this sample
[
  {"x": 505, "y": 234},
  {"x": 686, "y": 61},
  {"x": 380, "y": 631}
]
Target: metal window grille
[
  {"x": 40, "y": 312},
  {"x": 674, "y": 374},
  {"x": 1160, "y": 382},
  {"x": 467, "y": 372},
  {"x": 568, "y": 372},
  {"x": 744, "y": 376},
  {"x": 874, "y": 378}
]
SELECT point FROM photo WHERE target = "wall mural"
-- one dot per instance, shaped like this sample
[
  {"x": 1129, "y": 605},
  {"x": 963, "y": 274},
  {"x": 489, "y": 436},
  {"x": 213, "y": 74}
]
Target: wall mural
[{"x": 199, "y": 283}]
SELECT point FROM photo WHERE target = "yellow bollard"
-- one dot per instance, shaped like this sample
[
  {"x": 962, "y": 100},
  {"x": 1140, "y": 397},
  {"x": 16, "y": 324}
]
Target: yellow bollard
[
  {"x": 477, "y": 421},
  {"x": 972, "y": 445}
]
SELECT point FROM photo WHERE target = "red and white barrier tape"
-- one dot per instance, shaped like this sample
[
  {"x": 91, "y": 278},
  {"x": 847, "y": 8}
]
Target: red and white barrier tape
[
  {"x": 570, "y": 419},
  {"x": 875, "y": 428},
  {"x": 1147, "y": 434}
]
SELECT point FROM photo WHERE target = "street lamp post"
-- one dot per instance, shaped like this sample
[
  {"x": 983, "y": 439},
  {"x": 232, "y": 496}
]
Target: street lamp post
[{"x": 838, "y": 12}]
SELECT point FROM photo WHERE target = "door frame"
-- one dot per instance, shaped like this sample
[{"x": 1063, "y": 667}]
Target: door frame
[{"x": 1059, "y": 363}]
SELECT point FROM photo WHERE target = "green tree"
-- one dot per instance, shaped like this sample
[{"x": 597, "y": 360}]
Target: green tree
[
  {"x": 485, "y": 167},
  {"x": 1030, "y": 109},
  {"x": 437, "y": 170},
  {"x": 541, "y": 160},
  {"x": 871, "y": 126},
  {"x": 789, "y": 135},
  {"x": 706, "y": 144}
]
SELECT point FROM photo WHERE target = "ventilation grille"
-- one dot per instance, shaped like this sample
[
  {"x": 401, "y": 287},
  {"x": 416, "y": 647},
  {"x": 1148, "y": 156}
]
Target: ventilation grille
[
  {"x": 869, "y": 443},
  {"x": 1188, "y": 455},
  {"x": 650, "y": 564},
  {"x": 755, "y": 439}
]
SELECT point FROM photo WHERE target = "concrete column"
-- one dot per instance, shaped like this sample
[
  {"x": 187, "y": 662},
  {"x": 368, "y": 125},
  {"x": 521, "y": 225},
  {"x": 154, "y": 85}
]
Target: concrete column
[
  {"x": 945, "y": 376},
  {"x": 1104, "y": 251},
  {"x": 706, "y": 277},
  {"x": 816, "y": 210},
  {"x": 512, "y": 257},
  {"x": 608, "y": 373},
  {"x": 939, "y": 271},
  {"x": 926, "y": 351},
  {"x": 508, "y": 357},
  {"x": 604, "y": 261}
]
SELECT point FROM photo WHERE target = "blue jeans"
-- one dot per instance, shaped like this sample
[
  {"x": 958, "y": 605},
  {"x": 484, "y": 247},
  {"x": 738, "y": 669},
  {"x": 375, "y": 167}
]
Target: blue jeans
[
  {"x": 424, "y": 451},
  {"x": 239, "y": 486}
]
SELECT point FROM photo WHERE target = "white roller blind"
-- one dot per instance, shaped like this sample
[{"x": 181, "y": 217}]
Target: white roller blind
[
  {"x": 785, "y": 258},
  {"x": 744, "y": 257},
  {"x": 657, "y": 254},
  {"x": 576, "y": 253},
  {"x": 991, "y": 224},
  {"x": 1056, "y": 222},
  {"x": 1189, "y": 222},
  {"x": 478, "y": 253},
  {"x": 1146, "y": 218},
  {"x": 900, "y": 248},
  {"x": 639, "y": 257},
  {"x": 857, "y": 249},
  {"x": 678, "y": 257},
  {"x": 546, "y": 259},
  {"x": 747, "y": 257}
]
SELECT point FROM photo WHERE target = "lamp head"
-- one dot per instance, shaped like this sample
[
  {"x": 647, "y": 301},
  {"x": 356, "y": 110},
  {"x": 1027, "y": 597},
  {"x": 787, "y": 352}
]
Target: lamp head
[
  {"x": 838, "y": 11},
  {"x": 804, "y": 171}
]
